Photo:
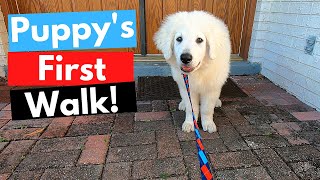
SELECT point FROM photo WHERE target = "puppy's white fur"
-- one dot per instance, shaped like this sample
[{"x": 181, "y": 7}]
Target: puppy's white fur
[{"x": 210, "y": 63}]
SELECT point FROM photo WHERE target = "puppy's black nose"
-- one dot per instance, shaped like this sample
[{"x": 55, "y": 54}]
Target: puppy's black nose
[{"x": 186, "y": 58}]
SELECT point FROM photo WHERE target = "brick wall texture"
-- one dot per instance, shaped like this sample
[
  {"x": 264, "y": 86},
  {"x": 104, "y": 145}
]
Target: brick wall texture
[{"x": 280, "y": 30}]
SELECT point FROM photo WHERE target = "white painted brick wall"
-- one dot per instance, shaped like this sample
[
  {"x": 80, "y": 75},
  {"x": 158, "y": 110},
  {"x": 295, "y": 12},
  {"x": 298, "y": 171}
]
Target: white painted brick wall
[{"x": 279, "y": 35}]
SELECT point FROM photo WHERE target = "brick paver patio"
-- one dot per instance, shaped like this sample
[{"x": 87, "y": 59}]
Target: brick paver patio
[{"x": 268, "y": 135}]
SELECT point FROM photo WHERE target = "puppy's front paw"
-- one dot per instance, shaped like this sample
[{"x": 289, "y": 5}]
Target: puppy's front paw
[
  {"x": 218, "y": 103},
  {"x": 209, "y": 126},
  {"x": 182, "y": 106},
  {"x": 187, "y": 126}
]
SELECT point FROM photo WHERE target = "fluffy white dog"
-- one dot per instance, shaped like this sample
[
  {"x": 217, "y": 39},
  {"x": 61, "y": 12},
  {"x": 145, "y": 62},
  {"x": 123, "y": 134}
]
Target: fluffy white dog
[{"x": 198, "y": 44}]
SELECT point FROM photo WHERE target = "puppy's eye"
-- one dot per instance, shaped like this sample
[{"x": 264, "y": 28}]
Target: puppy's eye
[
  {"x": 199, "y": 40},
  {"x": 179, "y": 39}
]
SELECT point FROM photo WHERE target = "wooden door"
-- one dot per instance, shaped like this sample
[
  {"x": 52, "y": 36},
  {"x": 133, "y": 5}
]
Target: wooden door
[
  {"x": 230, "y": 11},
  {"x": 45, "y": 6},
  {"x": 237, "y": 14}
]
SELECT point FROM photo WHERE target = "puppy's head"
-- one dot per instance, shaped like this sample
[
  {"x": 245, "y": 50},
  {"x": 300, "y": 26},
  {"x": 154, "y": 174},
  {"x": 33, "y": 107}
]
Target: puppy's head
[
  {"x": 189, "y": 49},
  {"x": 187, "y": 39}
]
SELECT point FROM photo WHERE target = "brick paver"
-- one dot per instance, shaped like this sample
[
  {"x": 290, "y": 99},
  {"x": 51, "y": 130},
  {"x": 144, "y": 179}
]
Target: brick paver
[
  {"x": 3, "y": 105},
  {"x": 234, "y": 159},
  {"x": 173, "y": 105},
  {"x": 313, "y": 137},
  {"x": 95, "y": 150},
  {"x": 3, "y": 122},
  {"x": 19, "y": 134},
  {"x": 152, "y": 116},
  {"x": 190, "y": 136},
  {"x": 307, "y": 116},
  {"x": 235, "y": 117},
  {"x": 121, "y": 170},
  {"x": 97, "y": 119},
  {"x": 254, "y": 173},
  {"x": 5, "y": 114},
  {"x": 4, "y": 176},
  {"x": 7, "y": 107},
  {"x": 168, "y": 144},
  {"x": 153, "y": 125},
  {"x": 255, "y": 130},
  {"x": 159, "y": 105},
  {"x": 277, "y": 168},
  {"x": 289, "y": 131},
  {"x": 192, "y": 164},
  {"x": 232, "y": 138},
  {"x": 57, "y": 159},
  {"x": 269, "y": 141},
  {"x": 11, "y": 156},
  {"x": 307, "y": 170},
  {"x": 124, "y": 123},
  {"x": 212, "y": 146},
  {"x": 282, "y": 114},
  {"x": 298, "y": 153},
  {"x": 222, "y": 121},
  {"x": 178, "y": 118},
  {"x": 80, "y": 172},
  {"x": 132, "y": 139},
  {"x": 89, "y": 129},
  {"x": 58, "y": 127},
  {"x": 59, "y": 144},
  {"x": 3, "y": 145},
  {"x": 39, "y": 123},
  {"x": 267, "y": 135},
  {"x": 158, "y": 168},
  {"x": 132, "y": 153},
  {"x": 258, "y": 119},
  {"x": 300, "y": 107},
  {"x": 144, "y": 106},
  {"x": 91, "y": 125},
  {"x": 34, "y": 175}
]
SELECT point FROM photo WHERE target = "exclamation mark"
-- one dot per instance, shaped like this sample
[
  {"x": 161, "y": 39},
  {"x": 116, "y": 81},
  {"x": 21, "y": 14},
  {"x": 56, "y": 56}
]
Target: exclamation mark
[{"x": 114, "y": 108}]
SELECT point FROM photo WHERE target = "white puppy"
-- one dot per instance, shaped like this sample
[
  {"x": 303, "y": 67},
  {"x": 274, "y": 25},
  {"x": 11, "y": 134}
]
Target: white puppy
[{"x": 198, "y": 44}]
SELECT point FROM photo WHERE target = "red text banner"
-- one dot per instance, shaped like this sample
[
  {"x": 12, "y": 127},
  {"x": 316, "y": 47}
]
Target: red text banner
[{"x": 69, "y": 68}]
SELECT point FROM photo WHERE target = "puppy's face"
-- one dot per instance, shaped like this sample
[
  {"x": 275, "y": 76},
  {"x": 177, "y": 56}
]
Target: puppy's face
[{"x": 189, "y": 49}]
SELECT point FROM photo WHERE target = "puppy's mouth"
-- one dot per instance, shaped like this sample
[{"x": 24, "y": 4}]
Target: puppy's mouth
[{"x": 188, "y": 69}]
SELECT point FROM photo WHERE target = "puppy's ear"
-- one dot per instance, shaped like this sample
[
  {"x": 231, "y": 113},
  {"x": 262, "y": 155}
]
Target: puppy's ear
[
  {"x": 211, "y": 45},
  {"x": 163, "y": 38},
  {"x": 218, "y": 38}
]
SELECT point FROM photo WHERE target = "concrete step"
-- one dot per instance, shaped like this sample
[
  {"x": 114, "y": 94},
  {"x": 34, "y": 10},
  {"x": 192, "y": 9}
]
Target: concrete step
[{"x": 161, "y": 68}]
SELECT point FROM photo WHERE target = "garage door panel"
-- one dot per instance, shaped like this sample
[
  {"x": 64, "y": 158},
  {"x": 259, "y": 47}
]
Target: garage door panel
[
  {"x": 86, "y": 5},
  {"x": 133, "y": 4},
  {"x": 183, "y": 5},
  {"x": 30, "y": 6},
  {"x": 219, "y": 9},
  {"x": 230, "y": 11},
  {"x": 195, "y": 5},
  {"x": 153, "y": 21},
  {"x": 234, "y": 21},
  {"x": 170, "y": 7},
  {"x": 109, "y": 4},
  {"x": 208, "y": 4}
]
